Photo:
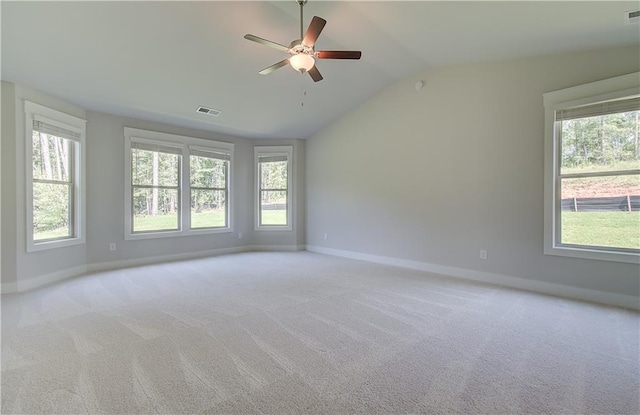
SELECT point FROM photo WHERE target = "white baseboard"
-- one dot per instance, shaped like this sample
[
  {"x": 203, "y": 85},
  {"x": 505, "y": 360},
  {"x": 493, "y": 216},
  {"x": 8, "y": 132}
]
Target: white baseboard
[
  {"x": 106, "y": 266},
  {"x": 39, "y": 281},
  {"x": 8, "y": 287},
  {"x": 276, "y": 248},
  {"x": 619, "y": 300},
  {"x": 31, "y": 283}
]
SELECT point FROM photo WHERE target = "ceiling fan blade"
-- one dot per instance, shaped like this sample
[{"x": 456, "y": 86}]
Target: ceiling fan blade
[
  {"x": 315, "y": 27},
  {"x": 338, "y": 54},
  {"x": 273, "y": 67},
  {"x": 315, "y": 74},
  {"x": 267, "y": 42}
]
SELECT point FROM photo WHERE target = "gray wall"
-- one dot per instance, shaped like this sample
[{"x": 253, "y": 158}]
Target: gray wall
[
  {"x": 436, "y": 175},
  {"x": 474, "y": 133},
  {"x": 9, "y": 260},
  {"x": 106, "y": 210},
  {"x": 105, "y": 197}
]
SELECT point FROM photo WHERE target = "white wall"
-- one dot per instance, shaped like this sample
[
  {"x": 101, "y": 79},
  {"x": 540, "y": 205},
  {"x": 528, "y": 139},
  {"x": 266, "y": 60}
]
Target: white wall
[
  {"x": 433, "y": 176},
  {"x": 105, "y": 200}
]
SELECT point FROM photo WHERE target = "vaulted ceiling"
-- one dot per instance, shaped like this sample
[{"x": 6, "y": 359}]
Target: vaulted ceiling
[{"x": 161, "y": 60}]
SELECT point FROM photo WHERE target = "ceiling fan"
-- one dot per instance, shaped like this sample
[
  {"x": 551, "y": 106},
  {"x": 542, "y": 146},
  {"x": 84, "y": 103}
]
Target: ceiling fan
[{"x": 302, "y": 51}]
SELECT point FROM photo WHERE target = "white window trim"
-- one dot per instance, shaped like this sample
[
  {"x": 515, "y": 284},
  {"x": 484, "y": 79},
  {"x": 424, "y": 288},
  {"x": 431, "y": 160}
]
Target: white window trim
[
  {"x": 259, "y": 151},
  {"x": 184, "y": 218},
  {"x": 36, "y": 111},
  {"x": 608, "y": 89}
]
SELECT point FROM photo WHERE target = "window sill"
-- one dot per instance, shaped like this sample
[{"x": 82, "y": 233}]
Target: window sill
[
  {"x": 61, "y": 243},
  {"x": 274, "y": 228},
  {"x": 593, "y": 253},
  {"x": 175, "y": 234}
]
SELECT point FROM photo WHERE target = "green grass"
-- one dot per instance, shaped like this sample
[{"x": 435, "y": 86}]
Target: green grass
[
  {"x": 51, "y": 234},
  {"x": 274, "y": 217},
  {"x": 144, "y": 223},
  {"x": 213, "y": 218},
  {"x": 620, "y": 165},
  {"x": 210, "y": 219},
  {"x": 609, "y": 229}
]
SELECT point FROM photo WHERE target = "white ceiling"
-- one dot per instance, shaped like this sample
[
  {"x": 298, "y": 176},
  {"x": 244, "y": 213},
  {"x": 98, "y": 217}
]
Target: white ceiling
[{"x": 160, "y": 60}]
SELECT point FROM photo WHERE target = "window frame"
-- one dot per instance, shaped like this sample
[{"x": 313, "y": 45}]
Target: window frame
[
  {"x": 274, "y": 151},
  {"x": 184, "y": 190},
  {"x": 226, "y": 189},
  {"x": 178, "y": 187},
  {"x": 77, "y": 185},
  {"x": 625, "y": 86}
]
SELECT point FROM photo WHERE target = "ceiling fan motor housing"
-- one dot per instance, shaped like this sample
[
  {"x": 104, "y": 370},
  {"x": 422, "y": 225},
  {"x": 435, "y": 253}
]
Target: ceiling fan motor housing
[{"x": 297, "y": 47}]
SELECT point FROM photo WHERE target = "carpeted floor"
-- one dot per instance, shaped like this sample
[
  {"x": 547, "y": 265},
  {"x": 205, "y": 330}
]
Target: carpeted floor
[{"x": 305, "y": 333}]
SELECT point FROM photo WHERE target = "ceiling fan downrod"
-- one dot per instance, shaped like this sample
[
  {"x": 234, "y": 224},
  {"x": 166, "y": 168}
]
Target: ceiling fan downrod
[{"x": 301, "y": 3}]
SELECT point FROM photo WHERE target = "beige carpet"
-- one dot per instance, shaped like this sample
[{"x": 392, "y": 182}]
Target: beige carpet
[{"x": 304, "y": 333}]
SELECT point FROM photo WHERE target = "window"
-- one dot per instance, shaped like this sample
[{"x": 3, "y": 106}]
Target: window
[
  {"x": 155, "y": 186},
  {"x": 273, "y": 188},
  {"x": 176, "y": 185},
  {"x": 55, "y": 189},
  {"x": 209, "y": 173},
  {"x": 593, "y": 155}
]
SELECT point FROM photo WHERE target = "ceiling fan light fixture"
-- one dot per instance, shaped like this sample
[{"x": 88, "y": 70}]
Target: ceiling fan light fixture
[{"x": 302, "y": 62}]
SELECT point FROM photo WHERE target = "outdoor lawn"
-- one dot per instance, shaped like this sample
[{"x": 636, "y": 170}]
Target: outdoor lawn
[
  {"x": 51, "y": 234},
  {"x": 609, "y": 229},
  {"x": 612, "y": 229},
  {"x": 210, "y": 219}
]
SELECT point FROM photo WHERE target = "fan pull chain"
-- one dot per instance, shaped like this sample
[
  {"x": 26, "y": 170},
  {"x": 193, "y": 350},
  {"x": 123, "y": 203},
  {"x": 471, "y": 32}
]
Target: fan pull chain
[{"x": 302, "y": 90}]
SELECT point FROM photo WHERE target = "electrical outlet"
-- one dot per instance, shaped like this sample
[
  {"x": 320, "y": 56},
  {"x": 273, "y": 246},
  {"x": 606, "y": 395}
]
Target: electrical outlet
[
  {"x": 483, "y": 254},
  {"x": 112, "y": 246},
  {"x": 326, "y": 236},
  {"x": 239, "y": 235}
]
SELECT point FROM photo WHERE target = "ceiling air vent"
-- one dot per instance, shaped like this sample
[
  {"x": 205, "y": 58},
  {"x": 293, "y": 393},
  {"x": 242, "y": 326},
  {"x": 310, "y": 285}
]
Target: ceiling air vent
[
  {"x": 208, "y": 111},
  {"x": 632, "y": 16}
]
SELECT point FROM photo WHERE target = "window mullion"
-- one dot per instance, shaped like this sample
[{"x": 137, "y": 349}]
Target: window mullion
[
  {"x": 72, "y": 212},
  {"x": 600, "y": 174},
  {"x": 208, "y": 188},
  {"x": 50, "y": 181},
  {"x": 149, "y": 186},
  {"x": 184, "y": 195}
]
